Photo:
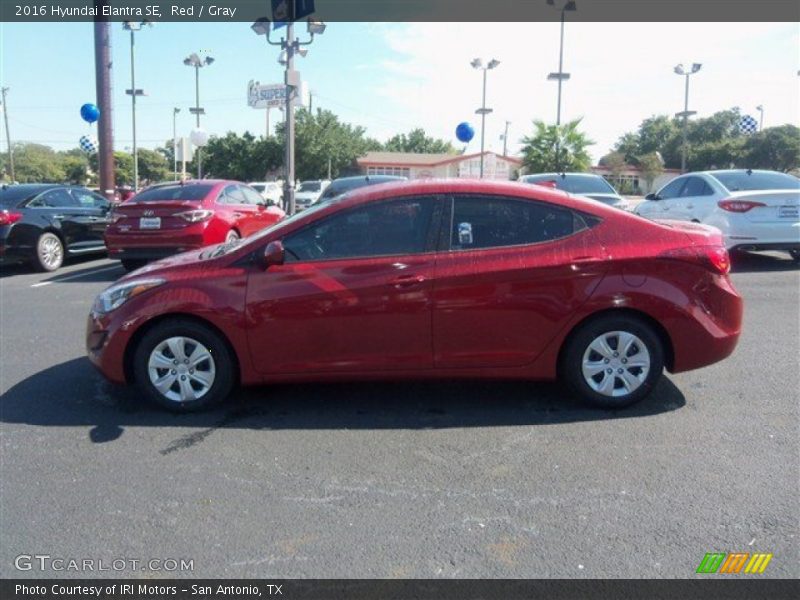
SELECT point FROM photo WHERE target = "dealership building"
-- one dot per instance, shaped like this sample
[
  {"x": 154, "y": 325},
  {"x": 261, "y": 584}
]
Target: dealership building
[{"x": 426, "y": 166}]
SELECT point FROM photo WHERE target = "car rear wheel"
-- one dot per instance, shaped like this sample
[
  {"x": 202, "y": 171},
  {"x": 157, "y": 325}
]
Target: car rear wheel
[
  {"x": 613, "y": 361},
  {"x": 183, "y": 366},
  {"x": 49, "y": 252},
  {"x": 231, "y": 237},
  {"x": 130, "y": 264}
]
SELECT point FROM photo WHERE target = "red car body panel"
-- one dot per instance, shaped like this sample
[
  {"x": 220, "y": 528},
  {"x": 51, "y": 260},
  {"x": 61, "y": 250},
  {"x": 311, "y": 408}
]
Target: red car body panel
[
  {"x": 491, "y": 313},
  {"x": 125, "y": 239}
]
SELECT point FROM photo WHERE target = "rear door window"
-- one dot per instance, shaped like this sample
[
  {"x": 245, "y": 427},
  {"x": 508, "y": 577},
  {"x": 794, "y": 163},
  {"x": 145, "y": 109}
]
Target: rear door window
[
  {"x": 59, "y": 198},
  {"x": 496, "y": 221}
]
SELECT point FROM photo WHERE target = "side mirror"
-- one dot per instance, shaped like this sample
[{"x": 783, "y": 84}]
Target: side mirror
[
  {"x": 274, "y": 254},
  {"x": 651, "y": 197}
]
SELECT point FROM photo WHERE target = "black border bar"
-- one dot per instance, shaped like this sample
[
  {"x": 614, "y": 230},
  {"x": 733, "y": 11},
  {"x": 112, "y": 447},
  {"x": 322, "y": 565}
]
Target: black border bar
[
  {"x": 712, "y": 588},
  {"x": 409, "y": 10}
]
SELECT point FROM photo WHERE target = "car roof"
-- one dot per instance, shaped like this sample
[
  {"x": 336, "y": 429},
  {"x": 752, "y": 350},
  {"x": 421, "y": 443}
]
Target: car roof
[{"x": 557, "y": 175}]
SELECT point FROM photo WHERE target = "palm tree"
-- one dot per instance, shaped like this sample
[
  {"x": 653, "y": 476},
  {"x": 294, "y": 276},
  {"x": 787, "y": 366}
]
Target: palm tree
[{"x": 556, "y": 148}]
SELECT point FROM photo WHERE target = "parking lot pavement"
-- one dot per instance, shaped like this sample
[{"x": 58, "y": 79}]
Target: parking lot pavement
[{"x": 445, "y": 479}]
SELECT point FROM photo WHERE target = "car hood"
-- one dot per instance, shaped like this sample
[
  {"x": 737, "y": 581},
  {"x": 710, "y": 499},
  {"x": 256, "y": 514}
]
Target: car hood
[{"x": 198, "y": 258}]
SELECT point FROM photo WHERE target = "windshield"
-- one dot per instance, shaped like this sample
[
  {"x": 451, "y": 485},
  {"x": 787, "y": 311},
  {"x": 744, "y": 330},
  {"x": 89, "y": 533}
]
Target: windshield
[
  {"x": 742, "y": 181},
  {"x": 192, "y": 191},
  {"x": 310, "y": 186},
  {"x": 575, "y": 184}
]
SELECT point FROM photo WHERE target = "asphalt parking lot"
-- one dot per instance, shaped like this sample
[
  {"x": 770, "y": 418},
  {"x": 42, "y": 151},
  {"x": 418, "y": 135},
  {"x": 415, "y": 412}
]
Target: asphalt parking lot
[{"x": 446, "y": 479}]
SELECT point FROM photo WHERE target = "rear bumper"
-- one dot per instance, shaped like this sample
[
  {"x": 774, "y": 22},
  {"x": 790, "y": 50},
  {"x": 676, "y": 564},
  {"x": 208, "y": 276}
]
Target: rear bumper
[
  {"x": 712, "y": 330},
  {"x": 152, "y": 246},
  {"x": 741, "y": 233}
]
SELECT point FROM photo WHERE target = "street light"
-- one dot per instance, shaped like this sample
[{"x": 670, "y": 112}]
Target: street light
[
  {"x": 194, "y": 60},
  {"x": 760, "y": 109},
  {"x": 289, "y": 46},
  {"x": 680, "y": 70},
  {"x": 561, "y": 76},
  {"x": 175, "y": 112},
  {"x": 477, "y": 63},
  {"x": 133, "y": 27}
]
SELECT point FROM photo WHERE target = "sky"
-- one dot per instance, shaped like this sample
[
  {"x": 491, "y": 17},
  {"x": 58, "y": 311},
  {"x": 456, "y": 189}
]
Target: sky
[{"x": 393, "y": 77}]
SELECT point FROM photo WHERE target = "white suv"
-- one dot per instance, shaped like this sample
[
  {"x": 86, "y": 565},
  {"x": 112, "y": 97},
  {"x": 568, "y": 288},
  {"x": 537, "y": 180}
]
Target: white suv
[{"x": 755, "y": 210}]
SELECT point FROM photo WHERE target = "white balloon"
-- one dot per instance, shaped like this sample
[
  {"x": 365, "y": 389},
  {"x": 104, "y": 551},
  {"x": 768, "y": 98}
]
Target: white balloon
[{"x": 199, "y": 137}]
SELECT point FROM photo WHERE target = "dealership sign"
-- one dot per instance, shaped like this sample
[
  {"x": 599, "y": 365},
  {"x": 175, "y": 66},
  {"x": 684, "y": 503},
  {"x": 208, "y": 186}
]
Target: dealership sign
[{"x": 265, "y": 96}]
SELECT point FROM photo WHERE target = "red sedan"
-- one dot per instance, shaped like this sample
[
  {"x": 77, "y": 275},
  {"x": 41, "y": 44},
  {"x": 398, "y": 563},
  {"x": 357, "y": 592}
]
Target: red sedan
[
  {"x": 428, "y": 279},
  {"x": 170, "y": 218}
]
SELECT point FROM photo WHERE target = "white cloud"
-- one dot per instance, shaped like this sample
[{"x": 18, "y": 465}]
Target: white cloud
[{"x": 621, "y": 74}]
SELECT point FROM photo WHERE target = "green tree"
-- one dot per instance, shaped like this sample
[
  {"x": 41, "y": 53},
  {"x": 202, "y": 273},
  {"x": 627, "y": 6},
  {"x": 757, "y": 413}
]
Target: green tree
[
  {"x": 241, "y": 157},
  {"x": 775, "y": 148},
  {"x": 418, "y": 142},
  {"x": 556, "y": 148},
  {"x": 37, "y": 163},
  {"x": 650, "y": 166},
  {"x": 153, "y": 166},
  {"x": 615, "y": 162},
  {"x": 322, "y": 140}
]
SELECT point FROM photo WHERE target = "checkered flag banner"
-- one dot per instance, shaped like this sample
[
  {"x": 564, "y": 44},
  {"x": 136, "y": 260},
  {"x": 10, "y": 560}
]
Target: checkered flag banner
[
  {"x": 88, "y": 144},
  {"x": 748, "y": 125}
]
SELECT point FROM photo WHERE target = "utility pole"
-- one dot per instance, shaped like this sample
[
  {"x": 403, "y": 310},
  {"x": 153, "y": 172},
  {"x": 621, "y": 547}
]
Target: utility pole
[
  {"x": 175, "y": 112},
  {"x": 483, "y": 111},
  {"x": 505, "y": 139},
  {"x": 560, "y": 77},
  {"x": 4, "y": 91},
  {"x": 133, "y": 27},
  {"x": 680, "y": 70},
  {"x": 288, "y": 184},
  {"x": 102, "y": 64}
]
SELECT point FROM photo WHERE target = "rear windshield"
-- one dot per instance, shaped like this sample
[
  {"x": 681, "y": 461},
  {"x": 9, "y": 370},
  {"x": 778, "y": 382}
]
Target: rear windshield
[
  {"x": 258, "y": 187},
  {"x": 14, "y": 194},
  {"x": 573, "y": 184},
  {"x": 742, "y": 181},
  {"x": 310, "y": 186},
  {"x": 194, "y": 191}
]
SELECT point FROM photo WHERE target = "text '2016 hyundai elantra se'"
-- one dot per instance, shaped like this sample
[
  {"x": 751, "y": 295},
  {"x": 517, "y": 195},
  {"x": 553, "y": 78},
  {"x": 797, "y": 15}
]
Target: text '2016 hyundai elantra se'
[{"x": 427, "y": 279}]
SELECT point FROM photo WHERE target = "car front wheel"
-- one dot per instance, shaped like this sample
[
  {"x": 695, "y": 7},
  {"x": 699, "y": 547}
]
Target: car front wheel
[
  {"x": 613, "y": 361},
  {"x": 184, "y": 366}
]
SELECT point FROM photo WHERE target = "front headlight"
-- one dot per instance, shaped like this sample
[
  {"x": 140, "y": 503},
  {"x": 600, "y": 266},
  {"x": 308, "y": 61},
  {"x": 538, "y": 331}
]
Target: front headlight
[{"x": 119, "y": 294}]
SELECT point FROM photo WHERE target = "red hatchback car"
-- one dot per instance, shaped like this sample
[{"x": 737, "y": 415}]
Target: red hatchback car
[
  {"x": 169, "y": 218},
  {"x": 444, "y": 279}
]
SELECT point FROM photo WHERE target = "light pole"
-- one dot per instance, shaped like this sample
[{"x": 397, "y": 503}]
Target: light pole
[
  {"x": 561, "y": 76},
  {"x": 175, "y": 112},
  {"x": 4, "y": 91},
  {"x": 760, "y": 109},
  {"x": 680, "y": 70},
  {"x": 505, "y": 139},
  {"x": 194, "y": 60},
  {"x": 133, "y": 27},
  {"x": 483, "y": 111},
  {"x": 289, "y": 46}
]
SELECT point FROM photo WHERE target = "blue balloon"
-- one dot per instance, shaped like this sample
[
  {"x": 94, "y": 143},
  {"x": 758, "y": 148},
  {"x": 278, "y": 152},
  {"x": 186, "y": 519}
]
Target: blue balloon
[
  {"x": 90, "y": 113},
  {"x": 465, "y": 132}
]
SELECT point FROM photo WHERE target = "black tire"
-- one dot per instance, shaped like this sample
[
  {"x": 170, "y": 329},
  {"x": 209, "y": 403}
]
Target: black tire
[
  {"x": 49, "y": 253},
  {"x": 571, "y": 368},
  {"x": 223, "y": 363},
  {"x": 232, "y": 236},
  {"x": 130, "y": 264},
  {"x": 795, "y": 254}
]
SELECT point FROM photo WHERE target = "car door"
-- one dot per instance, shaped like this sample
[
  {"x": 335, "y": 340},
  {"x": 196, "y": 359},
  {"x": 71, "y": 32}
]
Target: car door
[
  {"x": 264, "y": 215},
  {"x": 354, "y": 294},
  {"x": 661, "y": 207},
  {"x": 62, "y": 211},
  {"x": 98, "y": 210},
  {"x": 241, "y": 212},
  {"x": 511, "y": 274},
  {"x": 694, "y": 195}
]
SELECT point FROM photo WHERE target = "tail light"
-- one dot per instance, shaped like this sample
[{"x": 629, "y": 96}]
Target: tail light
[
  {"x": 714, "y": 258},
  {"x": 7, "y": 218},
  {"x": 195, "y": 216},
  {"x": 738, "y": 206}
]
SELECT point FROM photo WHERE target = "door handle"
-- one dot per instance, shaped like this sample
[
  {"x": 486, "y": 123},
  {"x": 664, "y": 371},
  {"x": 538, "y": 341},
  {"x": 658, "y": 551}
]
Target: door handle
[
  {"x": 407, "y": 281},
  {"x": 238, "y": 215},
  {"x": 59, "y": 217}
]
